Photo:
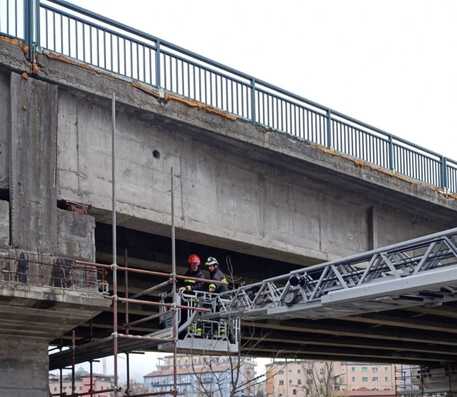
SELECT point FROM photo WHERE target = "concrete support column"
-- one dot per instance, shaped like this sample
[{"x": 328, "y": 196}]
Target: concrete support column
[
  {"x": 23, "y": 367},
  {"x": 33, "y": 162}
]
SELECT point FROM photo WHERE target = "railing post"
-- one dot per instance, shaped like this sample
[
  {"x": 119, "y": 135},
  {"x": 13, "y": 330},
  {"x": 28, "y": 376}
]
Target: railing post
[
  {"x": 37, "y": 29},
  {"x": 157, "y": 61},
  {"x": 31, "y": 25},
  {"x": 444, "y": 176},
  {"x": 391, "y": 154},
  {"x": 329, "y": 128},
  {"x": 253, "y": 102},
  {"x": 28, "y": 25}
]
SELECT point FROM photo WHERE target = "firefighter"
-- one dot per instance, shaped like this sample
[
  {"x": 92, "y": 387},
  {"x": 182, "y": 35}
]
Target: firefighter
[
  {"x": 189, "y": 285},
  {"x": 217, "y": 275}
]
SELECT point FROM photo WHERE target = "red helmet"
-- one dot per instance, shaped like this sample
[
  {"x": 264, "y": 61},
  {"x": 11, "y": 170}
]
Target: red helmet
[{"x": 192, "y": 259}]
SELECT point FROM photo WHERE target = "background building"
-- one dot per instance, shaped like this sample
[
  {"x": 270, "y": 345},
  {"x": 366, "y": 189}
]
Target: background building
[
  {"x": 361, "y": 379},
  {"x": 328, "y": 379},
  {"x": 203, "y": 376},
  {"x": 82, "y": 383}
]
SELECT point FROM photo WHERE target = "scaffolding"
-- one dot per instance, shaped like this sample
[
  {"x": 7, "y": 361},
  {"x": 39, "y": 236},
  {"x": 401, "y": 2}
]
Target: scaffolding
[
  {"x": 419, "y": 381},
  {"x": 408, "y": 381},
  {"x": 182, "y": 329},
  {"x": 211, "y": 322}
]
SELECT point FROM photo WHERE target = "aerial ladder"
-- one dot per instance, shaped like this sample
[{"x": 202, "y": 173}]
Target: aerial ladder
[
  {"x": 418, "y": 272},
  {"x": 411, "y": 273}
]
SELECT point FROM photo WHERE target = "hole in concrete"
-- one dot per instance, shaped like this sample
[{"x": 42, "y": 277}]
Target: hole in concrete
[
  {"x": 4, "y": 194},
  {"x": 156, "y": 154}
]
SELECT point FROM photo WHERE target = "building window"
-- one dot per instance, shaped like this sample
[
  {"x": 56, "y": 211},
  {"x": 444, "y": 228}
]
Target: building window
[
  {"x": 386, "y": 379},
  {"x": 375, "y": 379},
  {"x": 281, "y": 382},
  {"x": 375, "y": 369},
  {"x": 353, "y": 369},
  {"x": 353, "y": 378},
  {"x": 294, "y": 392},
  {"x": 364, "y": 369},
  {"x": 365, "y": 379},
  {"x": 298, "y": 381}
]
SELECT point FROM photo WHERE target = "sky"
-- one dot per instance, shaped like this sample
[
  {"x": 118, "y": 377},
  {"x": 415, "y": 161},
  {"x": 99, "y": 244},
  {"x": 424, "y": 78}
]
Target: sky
[{"x": 390, "y": 63}]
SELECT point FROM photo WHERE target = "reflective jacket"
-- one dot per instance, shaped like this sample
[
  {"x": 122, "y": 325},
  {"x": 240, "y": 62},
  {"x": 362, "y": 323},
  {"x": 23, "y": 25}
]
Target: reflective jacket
[
  {"x": 193, "y": 284},
  {"x": 218, "y": 275}
]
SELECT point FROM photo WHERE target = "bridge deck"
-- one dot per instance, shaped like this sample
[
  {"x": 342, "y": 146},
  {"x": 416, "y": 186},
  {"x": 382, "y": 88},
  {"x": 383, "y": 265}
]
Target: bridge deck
[{"x": 165, "y": 66}]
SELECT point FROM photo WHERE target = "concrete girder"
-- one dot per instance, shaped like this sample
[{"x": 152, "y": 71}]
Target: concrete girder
[
  {"x": 446, "y": 311},
  {"x": 347, "y": 349},
  {"x": 293, "y": 354},
  {"x": 341, "y": 329},
  {"x": 354, "y": 352},
  {"x": 360, "y": 343},
  {"x": 404, "y": 322}
]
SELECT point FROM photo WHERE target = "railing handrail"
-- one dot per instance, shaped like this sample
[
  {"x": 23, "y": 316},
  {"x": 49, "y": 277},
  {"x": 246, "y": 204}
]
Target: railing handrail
[
  {"x": 239, "y": 73},
  {"x": 340, "y": 132}
]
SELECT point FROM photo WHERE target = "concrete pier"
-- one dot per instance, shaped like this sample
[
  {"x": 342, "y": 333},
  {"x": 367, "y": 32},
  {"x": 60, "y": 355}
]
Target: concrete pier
[
  {"x": 43, "y": 293},
  {"x": 23, "y": 367}
]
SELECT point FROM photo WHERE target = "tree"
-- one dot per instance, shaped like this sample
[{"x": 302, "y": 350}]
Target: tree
[
  {"x": 319, "y": 380},
  {"x": 226, "y": 375}
]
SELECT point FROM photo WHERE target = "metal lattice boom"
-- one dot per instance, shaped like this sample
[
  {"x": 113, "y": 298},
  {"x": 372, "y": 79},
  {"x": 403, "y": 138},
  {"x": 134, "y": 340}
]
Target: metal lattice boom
[{"x": 415, "y": 272}]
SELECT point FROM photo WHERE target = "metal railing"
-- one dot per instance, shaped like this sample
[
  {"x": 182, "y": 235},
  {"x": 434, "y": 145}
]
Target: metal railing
[
  {"x": 20, "y": 268},
  {"x": 62, "y": 27}
]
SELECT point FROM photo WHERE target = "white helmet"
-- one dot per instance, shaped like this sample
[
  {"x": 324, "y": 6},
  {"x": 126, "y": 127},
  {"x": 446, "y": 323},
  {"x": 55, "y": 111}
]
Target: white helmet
[{"x": 211, "y": 261}]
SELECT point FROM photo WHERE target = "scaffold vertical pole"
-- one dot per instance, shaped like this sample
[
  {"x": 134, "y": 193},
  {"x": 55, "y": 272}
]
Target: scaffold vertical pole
[
  {"x": 127, "y": 364},
  {"x": 61, "y": 377},
  {"x": 114, "y": 224},
  {"x": 173, "y": 275},
  {"x": 91, "y": 375},
  {"x": 73, "y": 361},
  {"x": 422, "y": 381},
  {"x": 126, "y": 285}
]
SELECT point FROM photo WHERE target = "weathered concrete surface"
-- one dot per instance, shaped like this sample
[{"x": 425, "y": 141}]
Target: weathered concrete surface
[
  {"x": 36, "y": 223},
  {"x": 238, "y": 186},
  {"x": 224, "y": 197},
  {"x": 30, "y": 317},
  {"x": 76, "y": 235},
  {"x": 45, "y": 312},
  {"x": 33, "y": 164},
  {"x": 4, "y": 224},
  {"x": 23, "y": 367},
  {"x": 4, "y": 128}
]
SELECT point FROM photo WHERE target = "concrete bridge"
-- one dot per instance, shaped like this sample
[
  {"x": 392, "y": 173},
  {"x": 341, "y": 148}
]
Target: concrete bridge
[{"x": 271, "y": 200}]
